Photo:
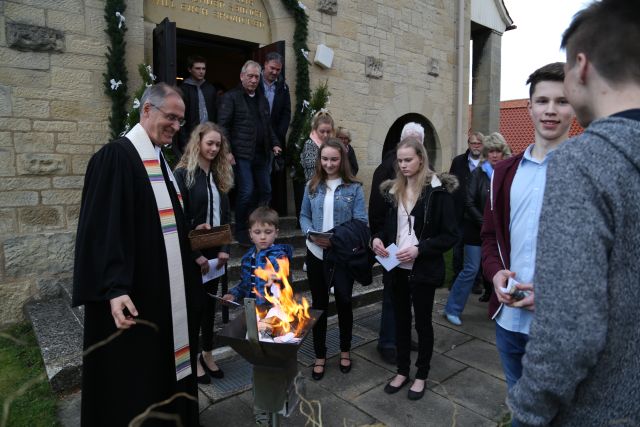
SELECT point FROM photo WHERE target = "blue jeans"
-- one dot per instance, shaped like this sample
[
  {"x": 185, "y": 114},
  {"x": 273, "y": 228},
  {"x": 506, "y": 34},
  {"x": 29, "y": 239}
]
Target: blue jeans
[
  {"x": 387, "y": 338},
  {"x": 253, "y": 184},
  {"x": 511, "y": 348},
  {"x": 464, "y": 282}
]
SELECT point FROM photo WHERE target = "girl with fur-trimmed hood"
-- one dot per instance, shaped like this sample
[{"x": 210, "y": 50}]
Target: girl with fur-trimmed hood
[{"x": 422, "y": 223}]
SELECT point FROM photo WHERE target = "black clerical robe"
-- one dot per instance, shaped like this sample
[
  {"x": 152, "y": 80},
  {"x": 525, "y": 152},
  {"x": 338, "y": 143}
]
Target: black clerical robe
[{"x": 120, "y": 250}]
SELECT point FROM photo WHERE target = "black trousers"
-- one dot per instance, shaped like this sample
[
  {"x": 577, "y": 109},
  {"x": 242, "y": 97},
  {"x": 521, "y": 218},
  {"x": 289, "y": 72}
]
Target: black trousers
[
  {"x": 422, "y": 296},
  {"x": 322, "y": 276},
  {"x": 208, "y": 314}
]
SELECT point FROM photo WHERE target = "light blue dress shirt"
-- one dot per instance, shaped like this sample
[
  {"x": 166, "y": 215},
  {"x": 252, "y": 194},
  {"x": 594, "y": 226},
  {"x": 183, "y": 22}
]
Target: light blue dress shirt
[
  {"x": 269, "y": 91},
  {"x": 527, "y": 191}
]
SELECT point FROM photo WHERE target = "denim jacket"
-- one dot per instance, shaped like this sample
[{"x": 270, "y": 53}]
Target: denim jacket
[{"x": 348, "y": 204}]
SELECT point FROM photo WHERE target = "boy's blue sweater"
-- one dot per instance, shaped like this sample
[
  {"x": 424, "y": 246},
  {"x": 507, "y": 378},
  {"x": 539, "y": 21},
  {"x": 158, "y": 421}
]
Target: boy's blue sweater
[{"x": 253, "y": 259}]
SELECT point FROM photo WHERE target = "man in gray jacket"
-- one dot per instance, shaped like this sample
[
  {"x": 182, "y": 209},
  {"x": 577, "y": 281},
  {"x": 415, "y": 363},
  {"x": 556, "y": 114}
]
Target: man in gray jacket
[{"x": 582, "y": 361}]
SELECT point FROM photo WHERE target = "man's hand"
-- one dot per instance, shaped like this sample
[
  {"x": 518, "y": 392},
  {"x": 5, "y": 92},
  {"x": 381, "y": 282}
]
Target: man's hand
[
  {"x": 203, "y": 226},
  {"x": 407, "y": 254},
  {"x": 223, "y": 257},
  {"x": 277, "y": 150},
  {"x": 229, "y": 297},
  {"x": 231, "y": 159},
  {"x": 118, "y": 305},
  {"x": 500, "y": 282},
  {"x": 527, "y": 302}
]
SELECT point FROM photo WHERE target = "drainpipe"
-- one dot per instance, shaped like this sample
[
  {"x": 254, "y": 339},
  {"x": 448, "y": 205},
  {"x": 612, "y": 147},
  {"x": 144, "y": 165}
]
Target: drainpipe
[{"x": 460, "y": 78}]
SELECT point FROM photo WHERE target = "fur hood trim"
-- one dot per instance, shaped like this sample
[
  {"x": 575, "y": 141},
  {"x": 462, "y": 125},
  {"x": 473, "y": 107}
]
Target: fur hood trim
[{"x": 445, "y": 181}]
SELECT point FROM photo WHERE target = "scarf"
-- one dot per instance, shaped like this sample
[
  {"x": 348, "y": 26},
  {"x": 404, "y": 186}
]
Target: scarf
[{"x": 149, "y": 156}]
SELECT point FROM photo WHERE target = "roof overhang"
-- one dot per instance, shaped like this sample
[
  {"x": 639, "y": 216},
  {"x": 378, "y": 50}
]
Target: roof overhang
[{"x": 491, "y": 14}]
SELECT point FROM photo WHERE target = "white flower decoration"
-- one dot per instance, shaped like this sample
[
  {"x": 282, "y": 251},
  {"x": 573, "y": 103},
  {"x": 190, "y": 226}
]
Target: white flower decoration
[
  {"x": 305, "y": 104},
  {"x": 305, "y": 53},
  {"x": 150, "y": 72},
  {"x": 115, "y": 84},
  {"x": 302, "y": 6},
  {"x": 121, "y": 19},
  {"x": 136, "y": 103}
]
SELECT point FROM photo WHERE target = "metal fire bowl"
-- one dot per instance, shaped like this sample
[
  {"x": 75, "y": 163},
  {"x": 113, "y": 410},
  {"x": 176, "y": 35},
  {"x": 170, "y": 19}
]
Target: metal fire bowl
[{"x": 267, "y": 354}]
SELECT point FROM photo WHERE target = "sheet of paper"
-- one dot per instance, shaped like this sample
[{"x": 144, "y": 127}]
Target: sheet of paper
[
  {"x": 511, "y": 284},
  {"x": 390, "y": 262},
  {"x": 214, "y": 271}
]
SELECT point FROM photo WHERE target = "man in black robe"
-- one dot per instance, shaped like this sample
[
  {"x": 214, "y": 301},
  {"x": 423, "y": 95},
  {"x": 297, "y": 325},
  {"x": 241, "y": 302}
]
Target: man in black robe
[{"x": 122, "y": 274}]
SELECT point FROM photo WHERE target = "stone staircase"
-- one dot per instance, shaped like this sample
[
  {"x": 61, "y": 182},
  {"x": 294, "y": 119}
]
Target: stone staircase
[{"x": 59, "y": 328}]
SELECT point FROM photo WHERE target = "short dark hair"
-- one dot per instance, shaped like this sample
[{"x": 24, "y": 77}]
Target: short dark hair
[
  {"x": 273, "y": 56},
  {"x": 195, "y": 58},
  {"x": 553, "y": 72},
  {"x": 264, "y": 215},
  {"x": 607, "y": 32}
]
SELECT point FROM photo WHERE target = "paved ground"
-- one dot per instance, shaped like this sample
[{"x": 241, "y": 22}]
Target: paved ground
[{"x": 466, "y": 385}]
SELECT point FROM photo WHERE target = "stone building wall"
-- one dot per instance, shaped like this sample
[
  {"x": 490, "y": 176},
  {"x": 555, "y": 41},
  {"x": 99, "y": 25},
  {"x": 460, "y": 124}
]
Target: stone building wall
[
  {"x": 405, "y": 40},
  {"x": 53, "y": 117}
]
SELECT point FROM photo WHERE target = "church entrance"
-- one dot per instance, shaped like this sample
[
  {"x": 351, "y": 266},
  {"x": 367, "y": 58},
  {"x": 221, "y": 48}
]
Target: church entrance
[{"x": 430, "y": 143}]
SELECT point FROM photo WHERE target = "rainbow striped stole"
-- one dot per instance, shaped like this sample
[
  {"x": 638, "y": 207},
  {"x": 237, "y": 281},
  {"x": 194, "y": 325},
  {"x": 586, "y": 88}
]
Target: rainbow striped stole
[{"x": 150, "y": 160}]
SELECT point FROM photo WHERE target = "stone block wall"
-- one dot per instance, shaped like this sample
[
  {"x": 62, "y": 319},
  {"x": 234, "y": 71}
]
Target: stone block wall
[
  {"x": 53, "y": 117},
  {"x": 383, "y": 53}
]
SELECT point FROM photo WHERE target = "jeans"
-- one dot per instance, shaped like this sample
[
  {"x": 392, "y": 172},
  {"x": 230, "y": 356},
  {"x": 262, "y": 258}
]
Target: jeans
[
  {"x": 250, "y": 177},
  {"x": 387, "y": 337},
  {"x": 404, "y": 293},
  {"x": 458, "y": 252},
  {"x": 464, "y": 282},
  {"x": 511, "y": 348},
  {"x": 322, "y": 276}
]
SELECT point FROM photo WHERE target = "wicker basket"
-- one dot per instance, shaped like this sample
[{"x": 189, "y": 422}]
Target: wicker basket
[{"x": 205, "y": 239}]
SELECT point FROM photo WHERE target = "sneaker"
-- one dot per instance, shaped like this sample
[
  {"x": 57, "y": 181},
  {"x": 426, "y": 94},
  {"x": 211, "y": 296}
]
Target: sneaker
[
  {"x": 304, "y": 267},
  {"x": 454, "y": 320}
]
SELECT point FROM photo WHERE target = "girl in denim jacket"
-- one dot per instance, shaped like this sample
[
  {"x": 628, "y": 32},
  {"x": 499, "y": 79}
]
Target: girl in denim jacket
[{"x": 331, "y": 197}]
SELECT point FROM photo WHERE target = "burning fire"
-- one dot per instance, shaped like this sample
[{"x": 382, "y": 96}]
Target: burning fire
[{"x": 286, "y": 313}]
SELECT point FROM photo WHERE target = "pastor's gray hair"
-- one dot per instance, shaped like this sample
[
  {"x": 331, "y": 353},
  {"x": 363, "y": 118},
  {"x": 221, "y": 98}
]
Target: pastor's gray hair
[
  {"x": 250, "y": 63},
  {"x": 157, "y": 93}
]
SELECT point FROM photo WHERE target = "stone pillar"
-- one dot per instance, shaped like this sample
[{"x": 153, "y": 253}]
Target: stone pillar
[{"x": 486, "y": 81}]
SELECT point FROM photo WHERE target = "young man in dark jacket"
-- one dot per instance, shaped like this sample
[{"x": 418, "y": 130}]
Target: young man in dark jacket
[
  {"x": 244, "y": 115},
  {"x": 510, "y": 227},
  {"x": 199, "y": 98}
]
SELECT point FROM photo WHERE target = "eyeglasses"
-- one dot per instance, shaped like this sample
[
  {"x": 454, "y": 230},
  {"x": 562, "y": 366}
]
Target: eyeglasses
[{"x": 171, "y": 117}]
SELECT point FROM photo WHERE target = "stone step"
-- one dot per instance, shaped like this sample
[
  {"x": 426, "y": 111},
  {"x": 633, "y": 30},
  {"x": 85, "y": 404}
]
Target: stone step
[{"x": 59, "y": 334}]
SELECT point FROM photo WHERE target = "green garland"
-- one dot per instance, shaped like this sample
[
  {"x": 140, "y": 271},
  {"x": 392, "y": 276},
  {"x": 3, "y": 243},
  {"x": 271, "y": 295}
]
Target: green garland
[
  {"x": 115, "y": 79},
  {"x": 296, "y": 135}
]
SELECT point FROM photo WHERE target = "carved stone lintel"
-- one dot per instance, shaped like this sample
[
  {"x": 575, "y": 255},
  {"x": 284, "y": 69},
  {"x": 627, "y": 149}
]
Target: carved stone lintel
[
  {"x": 26, "y": 37},
  {"x": 330, "y": 7},
  {"x": 373, "y": 67}
]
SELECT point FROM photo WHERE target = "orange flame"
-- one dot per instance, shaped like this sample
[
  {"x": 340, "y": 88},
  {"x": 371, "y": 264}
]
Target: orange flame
[{"x": 295, "y": 314}]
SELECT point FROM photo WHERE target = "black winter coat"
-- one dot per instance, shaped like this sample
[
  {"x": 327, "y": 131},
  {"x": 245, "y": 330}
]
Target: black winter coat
[
  {"x": 191, "y": 111},
  {"x": 378, "y": 204},
  {"x": 477, "y": 193},
  {"x": 460, "y": 168},
  {"x": 195, "y": 201},
  {"x": 350, "y": 250},
  {"x": 236, "y": 119},
  {"x": 435, "y": 226},
  {"x": 281, "y": 110}
]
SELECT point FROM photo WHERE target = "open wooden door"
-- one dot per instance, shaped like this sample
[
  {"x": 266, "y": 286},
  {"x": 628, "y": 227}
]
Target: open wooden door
[
  {"x": 164, "y": 52},
  {"x": 278, "y": 179}
]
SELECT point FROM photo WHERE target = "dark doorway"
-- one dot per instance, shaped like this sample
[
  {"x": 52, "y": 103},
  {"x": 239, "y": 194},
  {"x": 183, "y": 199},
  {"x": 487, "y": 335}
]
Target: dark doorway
[
  {"x": 224, "y": 56},
  {"x": 393, "y": 136}
]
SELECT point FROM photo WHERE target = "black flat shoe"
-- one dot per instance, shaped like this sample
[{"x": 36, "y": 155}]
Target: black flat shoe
[
  {"x": 389, "y": 389},
  {"x": 416, "y": 395},
  {"x": 345, "y": 368},
  {"x": 317, "y": 375},
  {"x": 218, "y": 373}
]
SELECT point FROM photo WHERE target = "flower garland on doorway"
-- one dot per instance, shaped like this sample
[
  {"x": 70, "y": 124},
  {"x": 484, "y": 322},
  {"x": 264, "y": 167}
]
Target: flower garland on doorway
[
  {"x": 115, "y": 78},
  {"x": 301, "y": 50}
]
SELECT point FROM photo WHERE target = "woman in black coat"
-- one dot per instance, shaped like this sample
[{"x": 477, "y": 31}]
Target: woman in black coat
[
  {"x": 205, "y": 177},
  {"x": 421, "y": 222}
]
